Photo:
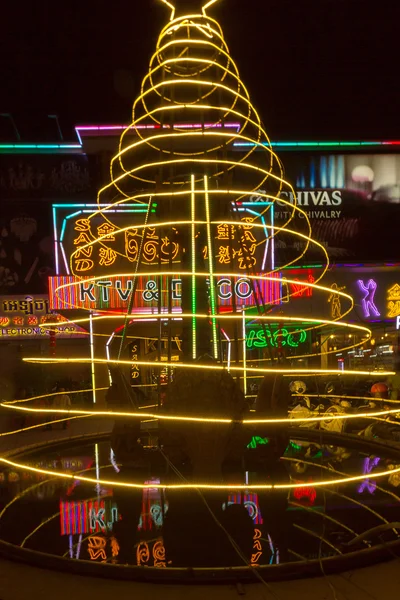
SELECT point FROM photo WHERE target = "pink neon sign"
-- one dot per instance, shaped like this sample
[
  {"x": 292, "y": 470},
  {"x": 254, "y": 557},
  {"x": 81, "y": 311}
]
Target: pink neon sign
[
  {"x": 369, "y": 464},
  {"x": 368, "y": 301}
]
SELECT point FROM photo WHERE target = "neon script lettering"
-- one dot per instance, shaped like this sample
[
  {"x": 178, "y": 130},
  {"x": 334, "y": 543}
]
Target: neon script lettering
[{"x": 258, "y": 338}]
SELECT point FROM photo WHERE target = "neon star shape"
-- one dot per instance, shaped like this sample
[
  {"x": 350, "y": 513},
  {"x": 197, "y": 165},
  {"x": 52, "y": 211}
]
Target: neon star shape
[{"x": 174, "y": 6}]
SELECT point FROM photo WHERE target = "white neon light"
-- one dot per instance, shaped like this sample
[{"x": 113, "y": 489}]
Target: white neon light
[
  {"x": 108, "y": 353},
  {"x": 96, "y": 455}
]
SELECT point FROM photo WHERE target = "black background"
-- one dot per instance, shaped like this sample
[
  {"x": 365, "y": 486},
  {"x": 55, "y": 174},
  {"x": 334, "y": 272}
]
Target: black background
[{"x": 315, "y": 68}]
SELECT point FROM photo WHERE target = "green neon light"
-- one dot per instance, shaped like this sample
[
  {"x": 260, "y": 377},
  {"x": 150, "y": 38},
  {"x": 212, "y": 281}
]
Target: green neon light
[
  {"x": 294, "y": 447},
  {"x": 256, "y": 440},
  {"x": 39, "y": 148},
  {"x": 213, "y": 301},
  {"x": 291, "y": 268},
  {"x": 317, "y": 144},
  {"x": 256, "y": 338}
]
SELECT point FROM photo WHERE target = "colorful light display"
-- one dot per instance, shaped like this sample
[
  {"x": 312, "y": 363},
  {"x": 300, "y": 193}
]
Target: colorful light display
[
  {"x": 368, "y": 302},
  {"x": 194, "y": 258}
]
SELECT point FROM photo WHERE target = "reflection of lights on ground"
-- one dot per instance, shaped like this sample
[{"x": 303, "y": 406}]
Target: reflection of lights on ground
[{"x": 201, "y": 485}]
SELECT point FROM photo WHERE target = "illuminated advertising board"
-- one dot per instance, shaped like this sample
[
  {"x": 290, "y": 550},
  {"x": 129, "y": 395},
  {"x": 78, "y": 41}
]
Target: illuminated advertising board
[
  {"x": 122, "y": 244},
  {"x": 67, "y": 292},
  {"x": 21, "y": 317},
  {"x": 375, "y": 290},
  {"x": 352, "y": 201}
]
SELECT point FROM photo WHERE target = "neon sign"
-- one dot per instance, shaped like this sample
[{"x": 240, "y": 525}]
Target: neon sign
[
  {"x": 367, "y": 302},
  {"x": 96, "y": 547},
  {"x": 21, "y": 316},
  {"x": 250, "y": 502},
  {"x": 393, "y": 301},
  {"x": 95, "y": 243},
  {"x": 335, "y": 301},
  {"x": 367, "y": 484},
  {"x": 258, "y": 338},
  {"x": 116, "y": 292},
  {"x": 147, "y": 554},
  {"x": 307, "y": 492},
  {"x": 257, "y": 548},
  {"x": 87, "y": 516}
]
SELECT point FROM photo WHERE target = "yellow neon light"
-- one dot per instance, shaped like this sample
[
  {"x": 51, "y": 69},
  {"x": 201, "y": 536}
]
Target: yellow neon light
[
  {"x": 190, "y": 486},
  {"x": 52, "y": 394},
  {"x": 342, "y": 397},
  {"x": 180, "y": 365},
  {"x": 170, "y": 164},
  {"x": 161, "y": 417},
  {"x": 172, "y": 7},
  {"x": 39, "y": 424},
  {"x": 207, "y": 5}
]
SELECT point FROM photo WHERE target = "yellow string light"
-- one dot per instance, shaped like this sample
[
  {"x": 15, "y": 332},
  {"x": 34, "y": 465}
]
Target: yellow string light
[
  {"x": 200, "y": 485},
  {"x": 214, "y": 420},
  {"x": 192, "y": 74}
]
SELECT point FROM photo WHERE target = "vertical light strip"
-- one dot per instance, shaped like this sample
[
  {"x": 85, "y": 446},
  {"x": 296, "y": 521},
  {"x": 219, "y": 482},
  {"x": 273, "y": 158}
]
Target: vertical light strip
[
  {"x": 96, "y": 456},
  {"x": 78, "y": 549},
  {"x": 272, "y": 209},
  {"x": 65, "y": 258},
  {"x": 193, "y": 213},
  {"x": 92, "y": 356},
  {"x": 55, "y": 239},
  {"x": 213, "y": 302},
  {"x": 244, "y": 352},
  {"x": 229, "y": 348},
  {"x": 266, "y": 246},
  {"x": 108, "y": 353}
]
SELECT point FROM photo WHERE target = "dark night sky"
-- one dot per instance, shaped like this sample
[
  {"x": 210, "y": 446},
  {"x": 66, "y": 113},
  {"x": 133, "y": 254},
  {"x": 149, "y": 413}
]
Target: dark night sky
[{"x": 316, "y": 69}]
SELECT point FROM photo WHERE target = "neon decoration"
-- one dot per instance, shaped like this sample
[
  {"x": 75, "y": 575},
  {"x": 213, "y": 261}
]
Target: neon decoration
[
  {"x": 308, "y": 492},
  {"x": 393, "y": 301},
  {"x": 151, "y": 554},
  {"x": 84, "y": 130},
  {"x": 96, "y": 548},
  {"x": 135, "y": 372},
  {"x": 335, "y": 301},
  {"x": 251, "y": 504},
  {"x": 152, "y": 511},
  {"x": 87, "y": 516},
  {"x": 162, "y": 173},
  {"x": 22, "y": 317},
  {"x": 115, "y": 292},
  {"x": 200, "y": 485},
  {"x": 257, "y": 548},
  {"x": 368, "y": 466},
  {"x": 256, "y": 440},
  {"x": 368, "y": 303},
  {"x": 258, "y": 338}
]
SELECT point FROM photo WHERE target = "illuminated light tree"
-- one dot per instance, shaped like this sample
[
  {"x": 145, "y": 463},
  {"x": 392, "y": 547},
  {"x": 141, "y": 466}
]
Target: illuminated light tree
[{"x": 202, "y": 249}]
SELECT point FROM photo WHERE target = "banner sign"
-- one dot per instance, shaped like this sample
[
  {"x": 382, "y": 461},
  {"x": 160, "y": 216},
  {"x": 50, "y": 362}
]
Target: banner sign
[
  {"x": 21, "y": 317},
  {"x": 352, "y": 201},
  {"x": 68, "y": 292}
]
